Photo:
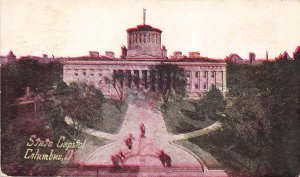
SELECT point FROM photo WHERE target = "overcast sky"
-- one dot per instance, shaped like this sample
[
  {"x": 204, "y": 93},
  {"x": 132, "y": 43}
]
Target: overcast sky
[{"x": 215, "y": 28}]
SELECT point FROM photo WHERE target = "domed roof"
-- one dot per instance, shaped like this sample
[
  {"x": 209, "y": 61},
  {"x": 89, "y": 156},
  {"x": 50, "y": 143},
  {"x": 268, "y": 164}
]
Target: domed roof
[{"x": 143, "y": 28}]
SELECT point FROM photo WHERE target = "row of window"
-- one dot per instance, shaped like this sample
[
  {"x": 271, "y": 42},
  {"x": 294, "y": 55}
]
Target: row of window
[
  {"x": 197, "y": 74},
  {"x": 143, "y": 38},
  {"x": 84, "y": 73},
  {"x": 100, "y": 82},
  {"x": 197, "y": 86}
]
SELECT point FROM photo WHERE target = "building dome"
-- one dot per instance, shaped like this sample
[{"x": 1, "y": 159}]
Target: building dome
[{"x": 144, "y": 42}]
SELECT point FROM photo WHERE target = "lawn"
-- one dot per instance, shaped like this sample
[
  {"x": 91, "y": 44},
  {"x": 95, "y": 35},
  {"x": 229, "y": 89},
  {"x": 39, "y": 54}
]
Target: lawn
[
  {"x": 223, "y": 149},
  {"x": 215, "y": 150},
  {"x": 112, "y": 117},
  {"x": 180, "y": 117}
]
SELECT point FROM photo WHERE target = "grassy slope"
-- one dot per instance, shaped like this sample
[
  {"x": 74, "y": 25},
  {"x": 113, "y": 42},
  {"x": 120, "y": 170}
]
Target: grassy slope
[
  {"x": 112, "y": 117},
  {"x": 177, "y": 121}
]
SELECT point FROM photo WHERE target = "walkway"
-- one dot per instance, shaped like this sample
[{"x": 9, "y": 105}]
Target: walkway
[{"x": 144, "y": 151}]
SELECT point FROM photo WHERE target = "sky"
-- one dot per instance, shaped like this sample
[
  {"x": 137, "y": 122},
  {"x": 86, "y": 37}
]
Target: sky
[{"x": 215, "y": 28}]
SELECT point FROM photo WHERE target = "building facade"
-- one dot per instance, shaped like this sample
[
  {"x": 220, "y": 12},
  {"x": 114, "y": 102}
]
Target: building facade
[{"x": 143, "y": 53}]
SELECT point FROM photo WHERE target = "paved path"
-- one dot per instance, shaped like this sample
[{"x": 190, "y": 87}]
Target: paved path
[
  {"x": 144, "y": 151},
  {"x": 217, "y": 125}
]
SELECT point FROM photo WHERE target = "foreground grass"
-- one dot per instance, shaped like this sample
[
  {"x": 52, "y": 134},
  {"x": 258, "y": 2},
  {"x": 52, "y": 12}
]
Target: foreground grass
[
  {"x": 222, "y": 148},
  {"x": 180, "y": 117},
  {"x": 209, "y": 161},
  {"x": 112, "y": 117},
  {"x": 215, "y": 149}
]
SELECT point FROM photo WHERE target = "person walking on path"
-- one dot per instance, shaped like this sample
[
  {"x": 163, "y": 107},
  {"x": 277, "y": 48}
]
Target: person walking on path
[
  {"x": 128, "y": 141},
  {"x": 117, "y": 159},
  {"x": 143, "y": 130},
  {"x": 165, "y": 159}
]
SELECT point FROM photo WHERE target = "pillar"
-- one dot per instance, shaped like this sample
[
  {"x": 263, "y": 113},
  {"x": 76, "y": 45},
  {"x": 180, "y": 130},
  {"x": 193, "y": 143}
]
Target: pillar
[
  {"x": 215, "y": 74},
  {"x": 207, "y": 84},
  {"x": 191, "y": 81},
  {"x": 224, "y": 83},
  {"x": 148, "y": 80}
]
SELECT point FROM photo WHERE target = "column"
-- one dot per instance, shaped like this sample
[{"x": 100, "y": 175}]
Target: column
[
  {"x": 140, "y": 78},
  {"x": 191, "y": 81},
  {"x": 129, "y": 78},
  {"x": 215, "y": 74},
  {"x": 148, "y": 80},
  {"x": 224, "y": 83},
  {"x": 199, "y": 79},
  {"x": 222, "y": 80},
  {"x": 136, "y": 78},
  {"x": 145, "y": 78},
  {"x": 207, "y": 84},
  {"x": 152, "y": 81}
]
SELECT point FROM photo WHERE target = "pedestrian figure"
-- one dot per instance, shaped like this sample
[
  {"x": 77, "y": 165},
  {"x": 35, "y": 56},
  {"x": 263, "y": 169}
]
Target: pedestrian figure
[
  {"x": 131, "y": 136},
  {"x": 119, "y": 157},
  {"x": 115, "y": 161},
  {"x": 128, "y": 141},
  {"x": 168, "y": 160},
  {"x": 161, "y": 157},
  {"x": 122, "y": 155},
  {"x": 143, "y": 130},
  {"x": 164, "y": 158}
]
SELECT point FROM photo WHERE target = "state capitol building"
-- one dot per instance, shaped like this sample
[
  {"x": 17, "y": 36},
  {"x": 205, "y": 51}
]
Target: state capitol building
[{"x": 144, "y": 51}]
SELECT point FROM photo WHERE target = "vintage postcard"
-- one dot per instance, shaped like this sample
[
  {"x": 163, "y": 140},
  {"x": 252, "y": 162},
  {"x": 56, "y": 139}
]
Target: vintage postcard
[{"x": 173, "y": 88}]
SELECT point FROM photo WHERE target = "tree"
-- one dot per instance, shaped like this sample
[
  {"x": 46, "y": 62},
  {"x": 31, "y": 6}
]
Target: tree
[
  {"x": 16, "y": 128},
  {"x": 248, "y": 115},
  {"x": 211, "y": 106},
  {"x": 249, "y": 122},
  {"x": 16, "y": 76},
  {"x": 263, "y": 113},
  {"x": 118, "y": 80},
  {"x": 14, "y": 141},
  {"x": 171, "y": 81},
  {"x": 285, "y": 116},
  {"x": 81, "y": 102}
]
